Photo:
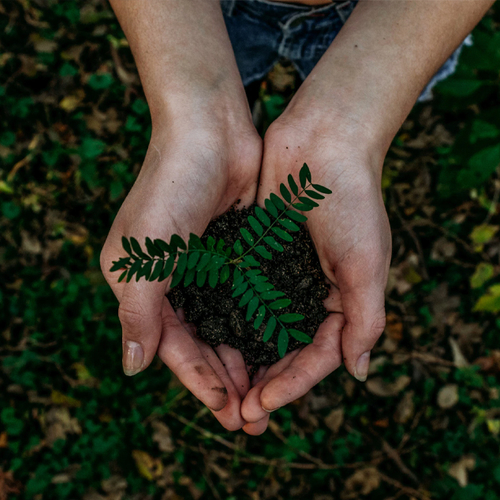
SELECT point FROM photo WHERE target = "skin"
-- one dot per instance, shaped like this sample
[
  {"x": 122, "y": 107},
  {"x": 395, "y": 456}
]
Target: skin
[{"x": 341, "y": 122}]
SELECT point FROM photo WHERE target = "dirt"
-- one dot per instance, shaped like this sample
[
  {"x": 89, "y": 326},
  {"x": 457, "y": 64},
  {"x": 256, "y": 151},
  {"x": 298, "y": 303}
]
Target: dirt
[{"x": 218, "y": 319}]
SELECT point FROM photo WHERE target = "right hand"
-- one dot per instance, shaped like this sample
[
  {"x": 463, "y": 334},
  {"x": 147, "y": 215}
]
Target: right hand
[{"x": 193, "y": 172}]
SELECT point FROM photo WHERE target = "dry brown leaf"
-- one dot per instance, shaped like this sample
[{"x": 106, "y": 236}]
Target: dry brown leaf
[
  {"x": 383, "y": 389},
  {"x": 458, "y": 358},
  {"x": 405, "y": 409},
  {"x": 162, "y": 436},
  {"x": 335, "y": 419},
  {"x": 58, "y": 423},
  {"x": 459, "y": 470},
  {"x": 362, "y": 482},
  {"x": 447, "y": 396}
]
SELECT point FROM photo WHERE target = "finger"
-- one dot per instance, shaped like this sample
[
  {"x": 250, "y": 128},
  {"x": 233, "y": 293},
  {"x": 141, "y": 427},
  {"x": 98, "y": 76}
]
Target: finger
[
  {"x": 181, "y": 354},
  {"x": 257, "y": 428},
  {"x": 312, "y": 364},
  {"x": 333, "y": 303},
  {"x": 251, "y": 408},
  {"x": 261, "y": 372},
  {"x": 233, "y": 362}
]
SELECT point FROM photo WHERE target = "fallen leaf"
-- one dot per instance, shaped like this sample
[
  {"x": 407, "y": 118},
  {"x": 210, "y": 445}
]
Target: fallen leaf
[
  {"x": 57, "y": 423},
  {"x": 460, "y": 469},
  {"x": 490, "y": 301},
  {"x": 459, "y": 359},
  {"x": 148, "y": 467},
  {"x": 383, "y": 389},
  {"x": 58, "y": 398},
  {"x": 362, "y": 482},
  {"x": 162, "y": 436},
  {"x": 405, "y": 409},
  {"x": 447, "y": 396},
  {"x": 335, "y": 419},
  {"x": 482, "y": 234},
  {"x": 482, "y": 274}
]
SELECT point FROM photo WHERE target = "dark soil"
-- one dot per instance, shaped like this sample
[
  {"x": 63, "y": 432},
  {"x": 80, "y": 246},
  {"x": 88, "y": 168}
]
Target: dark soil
[{"x": 219, "y": 320}]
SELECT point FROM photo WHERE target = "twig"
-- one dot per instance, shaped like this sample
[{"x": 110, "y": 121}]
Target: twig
[{"x": 405, "y": 489}]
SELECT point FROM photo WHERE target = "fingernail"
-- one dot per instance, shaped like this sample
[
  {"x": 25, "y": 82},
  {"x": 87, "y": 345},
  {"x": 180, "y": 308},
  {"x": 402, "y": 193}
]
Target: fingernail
[
  {"x": 361, "y": 370},
  {"x": 270, "y": 411},
  {"x": 133, "y": 357}
]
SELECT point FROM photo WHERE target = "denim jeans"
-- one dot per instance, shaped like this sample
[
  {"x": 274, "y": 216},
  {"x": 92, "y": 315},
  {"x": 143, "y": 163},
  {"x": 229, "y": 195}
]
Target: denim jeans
[{"x": 263, "y": 32}]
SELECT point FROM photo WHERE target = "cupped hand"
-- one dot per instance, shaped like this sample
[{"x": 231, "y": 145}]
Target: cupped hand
[
  {"x": 191, "y": 174},
  {"x": 351, "y": 233}
]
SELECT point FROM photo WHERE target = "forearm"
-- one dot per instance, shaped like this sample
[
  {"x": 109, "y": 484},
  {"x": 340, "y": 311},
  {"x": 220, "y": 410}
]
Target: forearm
[
  {"x": 375, "y": 69},
  {"x": 183, "y": 54}
]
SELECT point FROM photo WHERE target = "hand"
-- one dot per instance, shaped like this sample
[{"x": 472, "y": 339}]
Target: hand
[
  {"x": 351, "y": 234},
  {"x": 191, "y": 174}
]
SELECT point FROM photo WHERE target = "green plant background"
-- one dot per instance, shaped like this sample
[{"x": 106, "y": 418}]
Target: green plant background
[{"x": 74, "y": 130}]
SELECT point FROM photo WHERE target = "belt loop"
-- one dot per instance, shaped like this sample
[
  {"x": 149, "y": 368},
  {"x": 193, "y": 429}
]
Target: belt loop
[
  {"x": 345, "y": 9},
  {"x": 227, "y": 7}
]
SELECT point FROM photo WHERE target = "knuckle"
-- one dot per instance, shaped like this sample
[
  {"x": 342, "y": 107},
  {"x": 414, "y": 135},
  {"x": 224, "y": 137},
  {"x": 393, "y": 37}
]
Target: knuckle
[{"x": 131, "y": 316}]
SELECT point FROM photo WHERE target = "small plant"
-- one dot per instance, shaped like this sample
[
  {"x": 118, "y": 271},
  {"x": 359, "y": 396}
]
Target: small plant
[{"x": 214, "y": 261}]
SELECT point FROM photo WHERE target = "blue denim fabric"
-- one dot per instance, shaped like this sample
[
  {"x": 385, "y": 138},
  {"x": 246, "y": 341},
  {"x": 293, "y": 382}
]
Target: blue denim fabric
[{"x": 263, "y": 31}]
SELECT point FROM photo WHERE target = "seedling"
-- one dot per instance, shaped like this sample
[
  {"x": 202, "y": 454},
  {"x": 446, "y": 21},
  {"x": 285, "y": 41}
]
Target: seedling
[{"x": 215, "y": 262}]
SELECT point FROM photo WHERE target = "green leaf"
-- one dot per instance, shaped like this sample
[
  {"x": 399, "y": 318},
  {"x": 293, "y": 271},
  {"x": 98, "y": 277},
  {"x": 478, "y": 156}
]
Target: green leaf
[
  {"x": 278, "y": 202},
  {"x": 293, "y": 185},
  {"x": 240, "y": 289},
  {"x": 302, "y": 206},
  {"x": 122, "y": 276},
  {"x": 490, "y": 301},
  {"x": 288, "y": 224},
  {"x": 296, "y": 216},
  {"x": 282, "y": 342},
  {"x": 201, "y": 277},
  {"x": 163, "y": 245},
  {"x": 195, "y": 242},
  {"x": 182, "y": 263},
  {"x": 152, "y": 249},
  {"x": 177, "y": 242},
  {"x": 252, "y": 307},
  {"x": 304, "y": 175},
  {"x": 224, "y": 274},
  {"x": 263, "y": 287},
  {"x": 193, "y": 259},
  {"x": 167, "y": 270},
  {"x": 263, "y": 217},
  {"x": 482, "y": 274},
  {"x": 189, "y": 277},
  {"x": 270, "y": 207},
  {"x": 263, "y": 252},
  {"x": 272, "y": 295},
  {"x": 280, "y": 304},
  {"x": 204, "y": 260},
  {"x": 252, "y": 273},
  {"x": 138, "y": 250},
  {"x": 213, "y": 277},
  {"x": 119, "y": 264},
  {"x": 246, "y": 298},
  {"x": 273, "y": 243},
  {"x": 321, "y": 189},
  {"x": 220, "y": 246},
  {"x": 133, "y": 269},
  {"x": 126, "y": 245},
  {"x": 210, "y": 243},
  {"x": 255, "y": 225},
  {"x": 285, "y": 193},
  {"x": 270, "y": 327},
  {"x": 290, "y": 317},
  {"x": 247, "y": 236},
  {"x": 282, "y": 234},
  {"x": 250, "y": 261},
  {"x": 314, "y": 194},
  {"x": 308, "y": 202},
  {"x": 238, "y": 247},
  {"x": 145, "y": 271},
  {"x": 157, "y": 270},
  {"x": 260, "y": 317},
  {"x": 300, "y": 336},
  {"x": 459, "y": 87},
  {"x": 176, "y": 278}
]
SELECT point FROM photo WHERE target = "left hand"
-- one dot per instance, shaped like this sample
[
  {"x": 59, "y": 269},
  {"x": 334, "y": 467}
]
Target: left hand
[{"x": 351, "y": 233}]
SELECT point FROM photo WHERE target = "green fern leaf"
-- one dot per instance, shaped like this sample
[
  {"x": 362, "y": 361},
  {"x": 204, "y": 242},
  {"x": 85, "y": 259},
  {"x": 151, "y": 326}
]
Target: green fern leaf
[
  {"x": 321, "y": 189},
  {"x": 270, "y": 207},
  {"x": 270, "y": 327},
  {"x": 272, "y": 295},
  {"x": 213, "y": 277},
  {"x": 288, "y": 224},
  {"x": 287, "y": 196},
  {"x": 138, "y": 250},
  {"x": 210, "y": 243},
  {"x": 263, "y": 252},
  {"x": 220, "y": 246},
  {"x": 255, "y": 225},
  {"x": 308, "y": 202},
  {"x": 302, "y": 207},
  {"x": 290, "y": 317},
  {"x": 273, "y": 243},
  {"x": 224, "y": 274},
  {"x": 282, "y": 234},
  {"x": 263, "y": 287},
  {"x": 246, "y": 298},
  {"x": 247, "y": 236},
  {"x": 152, "y": 249},
  {"x": 163, "y": 246},
  {"x": 314, "y": 194},
  {"x": 122, "y": 276},
  {"x": 120, "y": 263},
  {"x": 182, "y": 263},
  {"x": 195, "y": 243},
  {"x": 260, "y": 317},
  {"x": 201, "y": 277},
  {"x": 279, "y": 304},
  {"x": 252, "y": 307},
  {"x": 167, "y": 270},
  {"x": 252, "y": 273},
  {"x": 176, "y": 278},
  {"x": 133, "y": 269},
  {"x": 204, "y": 260},
  {"x": 250, "y": 261},
  {"x": 300, "y": 336},
  {"x": 146, "y": 270},
  {"x": 282, "y": 342},
  {"x": 189, "y": 277},
  {"x": 278, "y": 202},
  {"x": 157, "y": 270},
  {"x": 238, "y": 247},
  {"x": 263, "y": 217},
  {"x": 193, "y": 259},
  {"x": 177, "y": 242},
  {"x": 240, "y": 289},
  {"x": 293, "y": 185},
  {"x": 304, "y": 175},
  {"x": 296, "y": 216},
  {"x": 126, "y": 245}
]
